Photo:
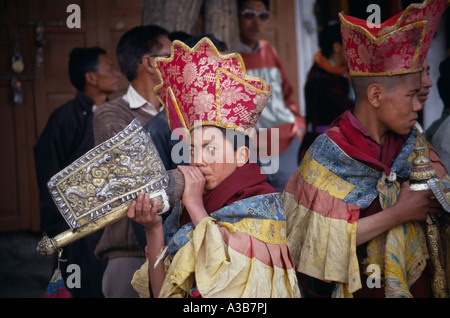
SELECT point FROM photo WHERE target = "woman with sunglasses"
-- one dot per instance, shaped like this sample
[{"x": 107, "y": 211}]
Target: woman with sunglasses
[{"x": 261, "y": 60}]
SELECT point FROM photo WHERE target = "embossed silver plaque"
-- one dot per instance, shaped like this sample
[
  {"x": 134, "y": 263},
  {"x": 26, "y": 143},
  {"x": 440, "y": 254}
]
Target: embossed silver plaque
[{"x": 110, "y": 176}]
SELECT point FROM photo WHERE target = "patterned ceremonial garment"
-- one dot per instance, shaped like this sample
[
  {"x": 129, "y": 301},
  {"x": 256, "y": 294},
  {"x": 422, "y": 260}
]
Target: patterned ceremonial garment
[
  {"x": 323, "y": 202},
  {"x": 238, "y": 251}
]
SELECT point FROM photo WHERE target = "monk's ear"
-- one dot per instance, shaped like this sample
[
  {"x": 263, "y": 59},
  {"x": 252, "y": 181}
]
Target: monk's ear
[
  {"x": 242, "y": 156},
  {"x": 374, "y": 94}
]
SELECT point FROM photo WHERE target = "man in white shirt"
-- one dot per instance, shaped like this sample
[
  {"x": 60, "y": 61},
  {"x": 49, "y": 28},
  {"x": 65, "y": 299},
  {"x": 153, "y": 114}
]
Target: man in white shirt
[{"x": 136, "y": 101}]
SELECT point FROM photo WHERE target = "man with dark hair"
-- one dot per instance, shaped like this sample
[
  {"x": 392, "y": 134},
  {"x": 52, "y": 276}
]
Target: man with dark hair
[
  {"x": 280, "y": 114},
  {"x": 179, "y": 35},
  {"x": 67, "y": 136},
  {"x": 327, "y": 88},
  {"x": 136, "y": 52},
  {"x": 85, "y": 69},
  {"x": 329, "y": 37}
]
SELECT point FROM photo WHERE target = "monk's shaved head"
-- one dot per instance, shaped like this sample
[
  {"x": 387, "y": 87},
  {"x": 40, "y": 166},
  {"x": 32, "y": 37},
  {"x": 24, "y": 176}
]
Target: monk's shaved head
[{"x": 362, "y": 83}]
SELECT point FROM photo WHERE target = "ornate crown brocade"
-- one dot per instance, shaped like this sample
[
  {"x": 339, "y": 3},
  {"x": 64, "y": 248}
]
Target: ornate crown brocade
[
  {"x": 200, "y": 86},
  {"x": 109, "y": 177},
  {"x": 397, "y": 46}
]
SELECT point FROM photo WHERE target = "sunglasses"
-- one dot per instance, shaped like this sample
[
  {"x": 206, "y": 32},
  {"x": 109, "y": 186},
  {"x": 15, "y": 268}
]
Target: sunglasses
[{"x": 250, "y": 15}]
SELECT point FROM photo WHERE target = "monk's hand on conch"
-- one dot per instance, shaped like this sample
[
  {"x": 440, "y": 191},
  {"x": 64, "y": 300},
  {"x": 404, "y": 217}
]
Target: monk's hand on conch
[
  {"x": 194, "y": 185},
  {"x": 193, "y": 193}
]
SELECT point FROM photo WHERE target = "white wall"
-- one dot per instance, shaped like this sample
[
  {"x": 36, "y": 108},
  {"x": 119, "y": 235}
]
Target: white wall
[
  {"x": 436, "y": 54},
  {"x": 307, "y": 43}
]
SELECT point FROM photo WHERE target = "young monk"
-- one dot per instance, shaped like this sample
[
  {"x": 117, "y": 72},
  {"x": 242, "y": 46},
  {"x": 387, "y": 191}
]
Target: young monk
[
  {"x": 355, "y": 228},
  {"x": 227, "y": 236}
]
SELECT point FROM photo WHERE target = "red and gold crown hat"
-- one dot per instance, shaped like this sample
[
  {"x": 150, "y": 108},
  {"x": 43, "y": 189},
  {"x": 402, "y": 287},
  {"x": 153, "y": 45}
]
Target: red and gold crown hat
[
  {"x": 199, "y": 86},
  {"x": 397, "y": 46}
]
